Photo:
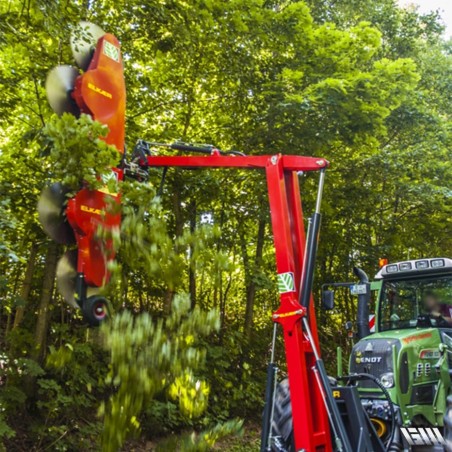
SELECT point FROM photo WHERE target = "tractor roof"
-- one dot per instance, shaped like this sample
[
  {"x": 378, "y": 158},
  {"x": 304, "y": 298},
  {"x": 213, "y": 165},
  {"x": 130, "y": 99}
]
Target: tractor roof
[{"x": 415, "y": 268}]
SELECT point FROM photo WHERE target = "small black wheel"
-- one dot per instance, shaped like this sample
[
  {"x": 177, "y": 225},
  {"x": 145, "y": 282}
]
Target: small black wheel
[{"x": 95, "y": 310}]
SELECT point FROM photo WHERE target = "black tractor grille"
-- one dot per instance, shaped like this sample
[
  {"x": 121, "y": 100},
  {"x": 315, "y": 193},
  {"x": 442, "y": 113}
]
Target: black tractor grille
[{"x": 375, "y": 359}]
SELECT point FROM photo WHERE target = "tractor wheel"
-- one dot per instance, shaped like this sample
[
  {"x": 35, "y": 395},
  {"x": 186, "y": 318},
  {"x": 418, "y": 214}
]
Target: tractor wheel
[
  {"x": 282, "y": 427},
  {"x": 95, "y": 310}
]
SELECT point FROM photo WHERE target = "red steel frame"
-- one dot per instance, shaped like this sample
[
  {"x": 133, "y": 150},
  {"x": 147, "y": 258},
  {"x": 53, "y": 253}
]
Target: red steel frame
[{"x": 310, "y": 420}]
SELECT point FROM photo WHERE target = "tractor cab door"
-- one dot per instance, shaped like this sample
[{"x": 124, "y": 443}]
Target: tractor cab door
[{"x": 446, "y": 337}]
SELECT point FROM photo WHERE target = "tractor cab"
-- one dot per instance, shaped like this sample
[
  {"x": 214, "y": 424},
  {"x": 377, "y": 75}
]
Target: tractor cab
[
  {"x": 415, "y": 294},
  {"x": 410, "y": 349}
]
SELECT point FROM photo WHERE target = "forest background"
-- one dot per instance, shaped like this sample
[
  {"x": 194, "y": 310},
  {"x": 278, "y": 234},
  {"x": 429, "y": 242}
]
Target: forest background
[{"x": 363, "y": 83}]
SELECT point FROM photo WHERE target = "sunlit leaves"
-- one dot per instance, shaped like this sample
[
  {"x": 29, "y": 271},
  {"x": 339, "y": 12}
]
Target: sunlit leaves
[{"x": 77, "y": 152}]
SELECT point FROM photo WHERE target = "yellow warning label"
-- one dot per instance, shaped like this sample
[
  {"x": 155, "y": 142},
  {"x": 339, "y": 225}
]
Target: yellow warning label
[
  {"x": 91, "y": 210},
  {"x": 96, "y": 89}
]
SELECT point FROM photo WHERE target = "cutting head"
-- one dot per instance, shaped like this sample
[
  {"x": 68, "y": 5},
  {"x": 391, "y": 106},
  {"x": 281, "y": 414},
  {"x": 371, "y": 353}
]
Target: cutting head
[
  {"x": 83, "y": 43},
  {"x": 51, "y": 207},
  {"x": 59, "y": 84},
  {"x": 66, "y": 274}
]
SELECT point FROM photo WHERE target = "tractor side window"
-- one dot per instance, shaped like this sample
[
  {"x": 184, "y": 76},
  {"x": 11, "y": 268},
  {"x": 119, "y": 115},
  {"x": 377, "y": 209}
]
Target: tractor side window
[
  {"x": 437, "y": 301},
  {"x": 373, "y": 301}
]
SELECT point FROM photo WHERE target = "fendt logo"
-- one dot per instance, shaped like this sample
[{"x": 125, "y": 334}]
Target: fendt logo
[
  {"x": 422, "y": 436},
  {"x": 368, "y": 359}
]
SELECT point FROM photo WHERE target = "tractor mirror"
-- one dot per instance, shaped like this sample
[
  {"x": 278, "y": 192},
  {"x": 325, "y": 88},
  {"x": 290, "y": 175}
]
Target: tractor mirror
[{"x": 328, "y": 299}]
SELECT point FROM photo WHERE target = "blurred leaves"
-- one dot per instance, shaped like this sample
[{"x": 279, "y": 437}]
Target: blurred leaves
[{"x": 149, "y": 355}]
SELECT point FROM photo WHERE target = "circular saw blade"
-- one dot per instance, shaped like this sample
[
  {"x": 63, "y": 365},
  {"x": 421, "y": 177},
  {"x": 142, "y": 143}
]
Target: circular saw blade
[
  {"x": 51, "y": 206},
  {"x": 59, "y": 84},
  {"x": 83, "y": 43},
  {"x": 66, "y": 274}
]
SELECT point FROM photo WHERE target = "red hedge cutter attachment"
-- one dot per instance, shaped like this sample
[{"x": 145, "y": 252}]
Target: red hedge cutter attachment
[{"x": 100, "y": 92}]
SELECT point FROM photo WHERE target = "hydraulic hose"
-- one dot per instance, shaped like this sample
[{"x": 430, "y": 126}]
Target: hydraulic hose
[
  {"x": 268, "y": 408},
  {"x": 363, "y": 376},
  {"x": 267, "y": 418}
]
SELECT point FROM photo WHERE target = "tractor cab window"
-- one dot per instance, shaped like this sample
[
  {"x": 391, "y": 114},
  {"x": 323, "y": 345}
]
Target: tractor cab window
[{"x": 420, "y": 302}]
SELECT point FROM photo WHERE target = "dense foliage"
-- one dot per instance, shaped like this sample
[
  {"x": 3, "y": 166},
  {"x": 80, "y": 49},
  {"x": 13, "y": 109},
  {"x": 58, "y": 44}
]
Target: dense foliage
[{"x": 365, "y": 84}]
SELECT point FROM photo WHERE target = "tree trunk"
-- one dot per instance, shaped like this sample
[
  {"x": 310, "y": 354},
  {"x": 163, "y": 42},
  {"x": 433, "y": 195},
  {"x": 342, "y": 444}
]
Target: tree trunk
[
  {"x": 48, "y": 283},
  {"x": 26, "y": 285},
  {"x": 192, "y": 263},
  {"x": 8, "y": 309},
  {"x": 251, "y": 288},
  {"x": 178, "y": 231},
  {"x": 218, "y": 281}
]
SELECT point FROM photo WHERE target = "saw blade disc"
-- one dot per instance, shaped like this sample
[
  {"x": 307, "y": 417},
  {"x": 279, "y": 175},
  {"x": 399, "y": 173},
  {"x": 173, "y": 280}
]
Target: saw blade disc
[
  {"x": 59, "y": 84},
  {"x": 51, "y": 208},
  {"x": 83, "y": 43},
  {"x": 66, "y": 274}
]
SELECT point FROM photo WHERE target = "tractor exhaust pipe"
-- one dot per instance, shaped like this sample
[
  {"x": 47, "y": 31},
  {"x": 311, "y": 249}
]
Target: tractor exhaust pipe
[{"x": 363, "y": 304}]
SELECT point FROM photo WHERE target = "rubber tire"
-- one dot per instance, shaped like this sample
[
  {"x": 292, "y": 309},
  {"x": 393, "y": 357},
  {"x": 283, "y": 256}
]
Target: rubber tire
[
  {"x": 447, "y": 432},
  {"x": 90, "y": 310},
  {"x": 282, "y": 427}
]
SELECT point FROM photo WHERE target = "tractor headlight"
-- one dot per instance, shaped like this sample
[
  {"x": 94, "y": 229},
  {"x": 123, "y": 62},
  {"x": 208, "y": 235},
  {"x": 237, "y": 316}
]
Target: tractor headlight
[
  {"x": 437, "y": 263},
  {"x": 392, "y": 268},
  {"x": 421, "y": 265},
  {"x": 387, "y": 380}
]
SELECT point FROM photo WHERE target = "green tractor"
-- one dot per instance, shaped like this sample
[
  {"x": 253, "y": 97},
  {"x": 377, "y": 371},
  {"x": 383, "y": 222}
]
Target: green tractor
[{"x": 409, "y": 354}]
